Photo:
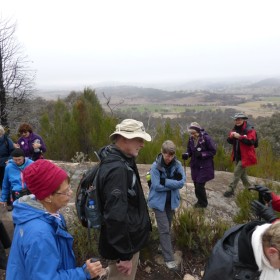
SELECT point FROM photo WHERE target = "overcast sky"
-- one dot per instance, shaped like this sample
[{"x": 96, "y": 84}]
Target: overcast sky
[{"x": 88, "y": 41}]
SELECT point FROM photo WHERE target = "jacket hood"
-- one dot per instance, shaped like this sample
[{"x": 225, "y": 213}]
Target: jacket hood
[{"x": 28, "y": 208}]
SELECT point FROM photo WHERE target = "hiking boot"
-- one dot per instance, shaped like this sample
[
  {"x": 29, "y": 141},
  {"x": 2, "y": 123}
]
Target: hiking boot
[
  {"x": 172, "y": 265},
  {"x": 198, "y": 205},
  {"x": 229, "y": 193}
]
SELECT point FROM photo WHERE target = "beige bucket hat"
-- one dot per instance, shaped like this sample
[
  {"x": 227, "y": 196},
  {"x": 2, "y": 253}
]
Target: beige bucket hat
[{"x": 130, "y": 128}]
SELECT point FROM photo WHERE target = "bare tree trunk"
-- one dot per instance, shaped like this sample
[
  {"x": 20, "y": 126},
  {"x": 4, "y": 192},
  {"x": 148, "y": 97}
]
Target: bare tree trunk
[{"x": 3, "y": 115}]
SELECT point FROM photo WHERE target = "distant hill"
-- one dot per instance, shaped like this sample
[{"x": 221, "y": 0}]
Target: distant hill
[{"x": 272, "y": 82}]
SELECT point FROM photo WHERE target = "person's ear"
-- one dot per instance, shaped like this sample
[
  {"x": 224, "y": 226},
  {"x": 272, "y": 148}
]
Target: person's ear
[
  {"x": 272, "y": 251},
  {"x": 48, "y": 199}
]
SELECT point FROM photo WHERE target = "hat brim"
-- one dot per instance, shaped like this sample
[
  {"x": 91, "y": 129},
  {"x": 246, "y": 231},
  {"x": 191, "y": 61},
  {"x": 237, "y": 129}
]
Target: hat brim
[
  {"x": 131, "y": 135},
  {"x": 243, "y": 118}
]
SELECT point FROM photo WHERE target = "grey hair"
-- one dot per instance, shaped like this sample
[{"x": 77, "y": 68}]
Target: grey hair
[
  {"x": 2, "y": 130},
  {"x": 168, "y": 147}
]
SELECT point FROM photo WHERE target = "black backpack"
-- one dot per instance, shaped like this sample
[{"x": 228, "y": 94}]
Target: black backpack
[
  {"x": 249, "y": 127},
  {"x": 87, "y": 201},
  {"x": 224, "y": 260}
]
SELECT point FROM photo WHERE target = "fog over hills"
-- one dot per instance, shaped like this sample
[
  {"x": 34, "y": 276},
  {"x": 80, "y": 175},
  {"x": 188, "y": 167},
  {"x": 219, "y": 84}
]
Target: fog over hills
[{"x": 212, "y": 85}]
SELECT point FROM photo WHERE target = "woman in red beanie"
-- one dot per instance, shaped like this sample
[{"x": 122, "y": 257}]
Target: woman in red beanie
[{"x": 41, "y": 246}]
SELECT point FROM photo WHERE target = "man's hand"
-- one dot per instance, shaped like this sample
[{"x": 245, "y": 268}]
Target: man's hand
[
  {"x": 124, "y": 267},
  {"x": 263, "y": 211},
  {"x": 264, "y": 193},
  {"x": 235, "y": 135}
]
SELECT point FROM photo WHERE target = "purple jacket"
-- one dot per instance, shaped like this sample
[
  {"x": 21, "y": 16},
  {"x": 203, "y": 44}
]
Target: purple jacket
[
  {"x": 202, "y": 168},
  {"x": 26, "y": 145}
]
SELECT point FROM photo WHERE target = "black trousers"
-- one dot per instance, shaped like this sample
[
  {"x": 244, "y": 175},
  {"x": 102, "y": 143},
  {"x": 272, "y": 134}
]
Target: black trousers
[{"x": 200, "y": 194}]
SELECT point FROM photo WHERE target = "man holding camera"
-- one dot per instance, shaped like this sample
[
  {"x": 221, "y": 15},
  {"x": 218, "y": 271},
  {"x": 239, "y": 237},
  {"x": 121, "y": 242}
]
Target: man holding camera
[{"x": 242, "y": 138}]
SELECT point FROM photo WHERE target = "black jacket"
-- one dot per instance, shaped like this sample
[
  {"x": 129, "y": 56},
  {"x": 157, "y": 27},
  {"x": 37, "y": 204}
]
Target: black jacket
[
  {"x": 232, "y": 257},
  {"x": 126, "y": 223}
]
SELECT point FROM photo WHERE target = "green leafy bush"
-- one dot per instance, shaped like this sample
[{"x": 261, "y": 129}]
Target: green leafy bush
[
  {"x": 197, "y": 233},
  {"x": 85, "y": 243}
]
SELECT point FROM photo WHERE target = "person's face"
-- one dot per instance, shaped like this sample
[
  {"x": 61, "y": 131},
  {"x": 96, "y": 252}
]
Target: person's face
[
  {"x": 133, "y": 146},
  {"x": 238, "y": 121},
  {"x": 61, "y": 196},
  {"x": 18, "y": 160},
  {"x": 168, "y": 157},
  {"x": 194, "y": 134},
  {"x": 25, "y": 134}
]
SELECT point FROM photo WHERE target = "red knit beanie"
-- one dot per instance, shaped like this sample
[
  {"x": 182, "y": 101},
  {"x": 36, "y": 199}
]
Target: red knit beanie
[{"x": 43, "y": 177}]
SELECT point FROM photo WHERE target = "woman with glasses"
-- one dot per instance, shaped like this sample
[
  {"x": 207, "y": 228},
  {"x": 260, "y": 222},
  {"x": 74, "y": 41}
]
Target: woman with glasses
[
  {"x": 32, "y": 144},
  {"x": 41, "y": 246},
  {"x": 201, "y": 149}
]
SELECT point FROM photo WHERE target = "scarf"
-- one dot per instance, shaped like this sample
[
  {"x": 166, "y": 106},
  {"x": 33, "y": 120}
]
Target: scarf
[{"x": 267, "y": 271}]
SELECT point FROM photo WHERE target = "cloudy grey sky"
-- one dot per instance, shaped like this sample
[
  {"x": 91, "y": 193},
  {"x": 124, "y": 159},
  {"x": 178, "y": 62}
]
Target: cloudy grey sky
[{"x": 88, "y": 41}]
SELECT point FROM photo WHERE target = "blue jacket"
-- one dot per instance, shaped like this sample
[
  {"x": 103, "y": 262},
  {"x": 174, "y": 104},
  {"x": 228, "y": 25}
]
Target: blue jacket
[
  {"x": 157, "y": 194},
  {"x": 41, "y": 247},
  {"x": 13, "y": 178},
  {"x": 6, "y": 147}
]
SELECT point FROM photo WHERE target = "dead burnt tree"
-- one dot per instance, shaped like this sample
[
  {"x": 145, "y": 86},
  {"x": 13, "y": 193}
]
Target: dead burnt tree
[{"x": 16, "y": 78}]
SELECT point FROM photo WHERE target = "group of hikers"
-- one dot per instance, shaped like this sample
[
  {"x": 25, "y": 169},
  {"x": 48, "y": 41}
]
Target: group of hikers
[{"x": 42, "y": 247}]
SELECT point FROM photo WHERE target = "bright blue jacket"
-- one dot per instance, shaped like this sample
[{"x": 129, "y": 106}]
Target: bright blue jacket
[
  {"x": 157, "y": 194},
  {"x": 13, "y": 178},
  {"x": 41, "y": 247}
]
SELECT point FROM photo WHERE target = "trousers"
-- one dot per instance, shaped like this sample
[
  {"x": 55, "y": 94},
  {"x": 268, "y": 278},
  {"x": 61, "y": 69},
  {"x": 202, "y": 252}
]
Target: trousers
[
  {"x": 239, "y": 173},
  {"x": 164, "y": 221},
  {"x": 200, "y": 194}
]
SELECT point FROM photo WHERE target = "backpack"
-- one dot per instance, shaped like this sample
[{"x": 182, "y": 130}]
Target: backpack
[
  {"x": 249, "y": 127},
  {"x": 87, "y": 201},
  {"x": 224, "y": 260}
]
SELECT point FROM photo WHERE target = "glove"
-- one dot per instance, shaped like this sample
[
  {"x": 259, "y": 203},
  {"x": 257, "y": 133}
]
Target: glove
[
  {"x": 185, "y": 156},
  {"x": 177, "y": 176},
  {"x": 198, "y": 154},
  {"x": 162, "y": 181},
  {"x": 264, "y": 194},
  {"x": 263, "y": 211}
]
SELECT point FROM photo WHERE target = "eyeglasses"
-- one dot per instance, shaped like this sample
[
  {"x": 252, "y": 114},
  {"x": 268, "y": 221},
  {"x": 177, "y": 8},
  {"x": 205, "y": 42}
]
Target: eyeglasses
[{"x": 68, "y": 191}]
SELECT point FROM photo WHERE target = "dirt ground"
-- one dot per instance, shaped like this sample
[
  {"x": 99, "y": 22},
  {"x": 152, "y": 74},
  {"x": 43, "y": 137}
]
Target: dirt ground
[{"x": 153, "y": 268}]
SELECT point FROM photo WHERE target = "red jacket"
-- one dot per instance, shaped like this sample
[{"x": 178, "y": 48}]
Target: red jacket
[
  {"x": 246, "y": 142},
  {"x": 275, "y": 202}
]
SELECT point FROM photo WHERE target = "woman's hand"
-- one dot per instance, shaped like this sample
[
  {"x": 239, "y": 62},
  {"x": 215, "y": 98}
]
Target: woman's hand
[
  {"x": 3, "y": 204},
  {"x": 94, "y": 268}
]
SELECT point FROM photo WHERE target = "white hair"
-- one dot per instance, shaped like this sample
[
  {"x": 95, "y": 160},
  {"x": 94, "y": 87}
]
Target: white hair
[{"x": 2, "y": 130}]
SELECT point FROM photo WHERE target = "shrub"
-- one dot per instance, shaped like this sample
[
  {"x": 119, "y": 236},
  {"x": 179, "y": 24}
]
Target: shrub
[
  {"x": 85, "y": 243},
  {"x": 197, "y": 233}
]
